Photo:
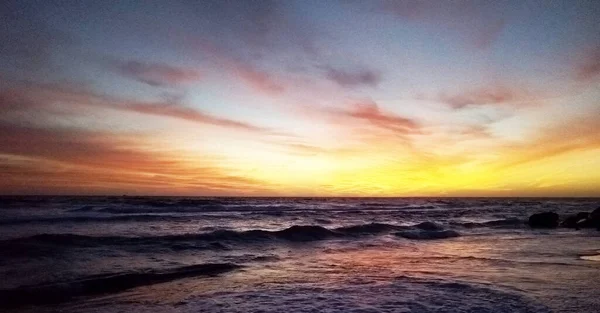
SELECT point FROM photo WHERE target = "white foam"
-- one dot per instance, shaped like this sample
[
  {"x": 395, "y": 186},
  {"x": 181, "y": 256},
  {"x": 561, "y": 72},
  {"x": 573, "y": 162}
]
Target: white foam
[{"x": 591, "y": 257}]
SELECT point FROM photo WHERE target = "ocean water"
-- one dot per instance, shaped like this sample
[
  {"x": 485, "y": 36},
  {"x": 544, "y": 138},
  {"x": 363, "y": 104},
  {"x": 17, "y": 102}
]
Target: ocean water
[{"x": 169, "y": 254}]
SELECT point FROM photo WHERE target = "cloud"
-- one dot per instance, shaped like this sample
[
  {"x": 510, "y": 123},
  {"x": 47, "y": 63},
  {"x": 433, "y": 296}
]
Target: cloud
[
  {"x": 369, "y": 112},
  {"x": 484, "y": 95},
  {"x": 156, "y": 74},
  {"x": 69, "y": 160},
  {"x": 478, "y": 23},
  {"x": 73, "y": 145},
  {"x": 353, "y": 78},
  {"x": 262, "y": 26},
  {"x": 244, "y": 71},
  {"x": 576, "y": 133},
  {"x": 186, "y": 113},
  {"x": 42, "y": 96},
  {"x": 258, "y": 80},
  {"x": 589, "y": 67}
]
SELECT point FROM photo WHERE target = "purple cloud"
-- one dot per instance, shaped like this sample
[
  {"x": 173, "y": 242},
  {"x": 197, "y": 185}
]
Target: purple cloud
[{"x": 353, "y": 78}]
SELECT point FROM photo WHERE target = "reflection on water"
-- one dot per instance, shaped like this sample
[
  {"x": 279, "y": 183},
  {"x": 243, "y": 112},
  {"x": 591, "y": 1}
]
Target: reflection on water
[{"x": 349, "y": 273}]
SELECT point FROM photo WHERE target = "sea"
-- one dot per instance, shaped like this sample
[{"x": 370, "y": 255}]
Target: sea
[{"x": 199, "y": 254}]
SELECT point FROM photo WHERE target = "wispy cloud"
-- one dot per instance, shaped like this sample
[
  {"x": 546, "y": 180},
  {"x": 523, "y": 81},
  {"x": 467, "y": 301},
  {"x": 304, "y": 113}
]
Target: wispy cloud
[
  {"x": 478, "y": 23},
  {"x": 67, "y": 160},
  {"x": 239, "y": 69},
  {"x": 589, "y": 66},
  {"x": 185, "y": 113},
  {"x": 156, "y": 74},
  {"x": 497, "y": 94},
  {"x": 353, "y": 78},
  {"x": 258, "y": 80},
  {"x": 368, "y": 113},
  {"x": 34, "y": 96},
  {"x": 577, "y": 133}
]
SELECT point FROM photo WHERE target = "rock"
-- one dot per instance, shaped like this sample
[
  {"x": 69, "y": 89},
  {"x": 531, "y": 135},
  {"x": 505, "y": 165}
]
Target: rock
[
  {"x": 571, "y": 221},
  {"x": 543, "y": 220},
  {"x": 593, "y": 220},
  {"x": 595, "y": 213}
]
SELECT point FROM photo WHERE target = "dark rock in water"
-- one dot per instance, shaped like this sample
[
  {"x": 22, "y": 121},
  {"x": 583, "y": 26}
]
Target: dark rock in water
[
  {"x": 595, "y": 213},
  {"x": 592, "y": 221},
  {"x": 573, "y": 220},
  {"x": 543, "y": 220}
]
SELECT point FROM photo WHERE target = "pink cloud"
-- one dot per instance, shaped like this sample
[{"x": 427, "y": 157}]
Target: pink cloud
[
  {"x": 369, "y": 112},
  {"x": 240, "y": 70},
  {"x": 258, "y": 80},
  {"x": 484, "y": 95}
]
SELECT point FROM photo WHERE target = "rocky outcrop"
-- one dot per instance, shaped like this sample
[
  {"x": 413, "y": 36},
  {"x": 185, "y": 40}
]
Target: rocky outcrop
[
  {"x": 544, "y": 220},
  {"x": 592, "y": 221},
  {"x": 595, "y": 213},
  {"x": 572, "y": 220},
  {"x": 577, "y": 221}
]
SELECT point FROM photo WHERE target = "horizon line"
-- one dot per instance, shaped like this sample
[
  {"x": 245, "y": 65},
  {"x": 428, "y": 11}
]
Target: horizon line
[{"x": 306, "y": 196}]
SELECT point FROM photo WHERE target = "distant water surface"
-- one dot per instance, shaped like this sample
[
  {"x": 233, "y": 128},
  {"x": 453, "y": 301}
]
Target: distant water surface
[{"x": 174, "y": 254}]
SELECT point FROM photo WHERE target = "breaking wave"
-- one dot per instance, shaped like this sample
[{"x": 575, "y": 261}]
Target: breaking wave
[{"x": 219, "y": 239}]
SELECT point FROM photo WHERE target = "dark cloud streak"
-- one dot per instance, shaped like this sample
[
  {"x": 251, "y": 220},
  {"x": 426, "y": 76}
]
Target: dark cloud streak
[
  {"x": 589, "y": 67},
  {"x": 156, "y": 74},
  {"x": 353, "y": 78},
  {"x": 36, "y": 96},
  {"x": 482, "y": 96}
]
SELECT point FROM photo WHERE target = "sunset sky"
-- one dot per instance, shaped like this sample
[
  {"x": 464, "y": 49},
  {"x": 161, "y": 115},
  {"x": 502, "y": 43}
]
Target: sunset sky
[{"x": 300, "y": 98}]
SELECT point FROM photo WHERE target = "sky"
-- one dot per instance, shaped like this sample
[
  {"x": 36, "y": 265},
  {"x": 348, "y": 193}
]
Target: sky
[{"x": 300, "y": 98}]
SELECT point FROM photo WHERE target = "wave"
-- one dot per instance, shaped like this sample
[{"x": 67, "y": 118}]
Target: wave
[
  {"x": 104, "y": 219},
  {"x": 427, "y": 234},
  {"x": 400, "y": 294},
  {"x": 501, "y": 223},
  {"x": 163, "y": 209},
  {"x": 429, "y": 226},
  {"x": 371, "y": 228},
  {"x": 214, "y": 240},
  {"x": 104, "y": 284}
]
